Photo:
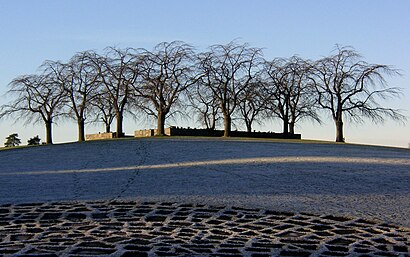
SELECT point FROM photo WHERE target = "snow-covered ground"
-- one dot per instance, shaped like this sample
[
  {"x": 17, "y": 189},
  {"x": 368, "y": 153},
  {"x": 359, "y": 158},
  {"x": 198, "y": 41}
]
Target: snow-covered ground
[{"x": 352, "y": 180}]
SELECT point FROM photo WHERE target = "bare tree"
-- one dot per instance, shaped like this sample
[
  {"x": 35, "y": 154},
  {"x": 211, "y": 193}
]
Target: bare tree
[
  {"x": 252, "y": 103},
  {"x": 81, "y": 85},
  {"x": 118, "y": 70},
  {"x": 205, "y": 106},
  {"x": 36, "y": 98},
  {"x": 290, "y": 92},
  {"x": 227, "y": 71},
  {"x": 103, "y": 108},
  {"x": 303, "y": 103},
  {"x": 278, "y": 92},
  {"x": 166, "y": 74},
  {"x": 349, "y": 87}
]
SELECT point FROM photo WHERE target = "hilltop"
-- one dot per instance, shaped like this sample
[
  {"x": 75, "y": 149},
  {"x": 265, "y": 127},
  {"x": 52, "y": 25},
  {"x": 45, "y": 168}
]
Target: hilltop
[{"x": 314, "y": 177}]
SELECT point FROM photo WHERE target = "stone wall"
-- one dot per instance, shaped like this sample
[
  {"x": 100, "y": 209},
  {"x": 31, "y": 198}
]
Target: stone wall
[
  {"x": 144, "y": 133},
  {"x": 100, "y": 136},
  {"x": 150, "y": 132},
  {"x": 176, "y": 131}
]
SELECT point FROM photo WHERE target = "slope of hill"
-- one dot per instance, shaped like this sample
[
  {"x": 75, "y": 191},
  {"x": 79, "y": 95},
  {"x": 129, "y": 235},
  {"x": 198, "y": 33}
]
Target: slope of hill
[{"x": 360, "y": 181}]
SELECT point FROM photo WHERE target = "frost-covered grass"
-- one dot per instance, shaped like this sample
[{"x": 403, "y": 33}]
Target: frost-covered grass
[{"x": 288, "y": 175}]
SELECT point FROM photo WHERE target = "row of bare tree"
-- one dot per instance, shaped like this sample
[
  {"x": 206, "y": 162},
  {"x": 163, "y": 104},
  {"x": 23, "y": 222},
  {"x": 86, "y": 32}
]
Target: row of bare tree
[{"x": 226, "y": 82}]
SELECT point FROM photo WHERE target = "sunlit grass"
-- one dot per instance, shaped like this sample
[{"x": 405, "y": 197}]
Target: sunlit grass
[{"x": 233, "y": 139}]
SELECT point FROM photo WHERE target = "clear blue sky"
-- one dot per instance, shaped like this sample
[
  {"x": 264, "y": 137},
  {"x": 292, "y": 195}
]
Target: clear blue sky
[{"x": 34, "y": 31}]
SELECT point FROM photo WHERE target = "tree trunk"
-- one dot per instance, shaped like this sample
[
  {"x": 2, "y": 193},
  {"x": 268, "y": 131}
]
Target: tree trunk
[
  {"x": 248, "y": 126},
  {"x": 339, "y": 122},
  {"x": 292, "y": 128},
  {"x": 119, "y": 118},
  {"x": 213, "y": 124},
  {"x": 107, "y": 127},
  {"x": 227, "y": 125},
  {"x": 285, "y": 125},
  {"x": 339, "y": 131},
  {"x": 286, "y": 117},
  {"x": 49, "y": 136},
  {"x": 161, "y": 124},
  {"x": 81, "y": 130},
  {"x": 206, "y": 122}
]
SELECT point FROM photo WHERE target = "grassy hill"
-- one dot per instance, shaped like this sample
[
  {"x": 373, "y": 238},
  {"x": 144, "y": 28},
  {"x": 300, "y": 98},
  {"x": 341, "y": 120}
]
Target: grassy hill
[{"x": 309, "y": 176}]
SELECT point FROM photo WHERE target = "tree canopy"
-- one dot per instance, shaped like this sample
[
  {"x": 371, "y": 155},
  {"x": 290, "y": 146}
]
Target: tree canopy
[
  {"x": 348, "y": 87},
  {"x": 12, "y": 140},
  {"x": 230, "y": 82}
]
